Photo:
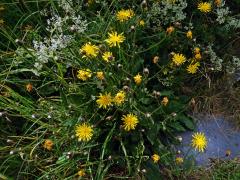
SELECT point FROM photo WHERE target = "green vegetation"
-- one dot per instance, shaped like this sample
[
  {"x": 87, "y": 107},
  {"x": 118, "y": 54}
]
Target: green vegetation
[{"x": 100, "y": 89}]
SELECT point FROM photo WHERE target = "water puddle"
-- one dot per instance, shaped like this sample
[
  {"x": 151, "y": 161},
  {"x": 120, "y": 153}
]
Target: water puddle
[{"x": 223, "y": 140}]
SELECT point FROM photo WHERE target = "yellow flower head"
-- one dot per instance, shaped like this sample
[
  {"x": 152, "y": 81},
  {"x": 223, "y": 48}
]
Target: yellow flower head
[
  {"x": 179, "y": 160},
  {"x": 89, "y": 50},
  {"x": 155, "y": 158},
  {"x": 198, "y": 56},
  {"x": 165, "y": 101},
  {"x": 138, "y": 79},
  {"x": 114, "y": 39},
  {"x": 81, "y": 173},
  {"x": 155, "y": 59},
  {"x": 100, "y": 75},
  {"x": 29, "y": 87},
  {"x": 119, "y": 98},
  {"x": 107, "y": 56},
  {"x": 189, "y": 34},
  {"x": 48, "y": 144},
  {"x": 199, "y": 141},
  {"x": 196, "y": 50},
  {"x": 204, "y": 7},
  {"x": 104, "y": 100},
  {"x": 178, "y": 59},
  {"x": 84, "y": 132},
  {"x": 84, "y": 74},
  {"x": 130, "y": 121},
  {"x": 218, "y": 2},
  {"x": 192, "y": 68},
  {"x": 141, "y": 23},
  {"x": 124, "y": 15},
  {"x": 170, "y": 30}
]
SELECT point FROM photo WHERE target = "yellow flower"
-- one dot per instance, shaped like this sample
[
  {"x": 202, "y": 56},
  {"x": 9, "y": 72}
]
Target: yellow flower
[
  {"x": 165, "y": 101},
  {"x": 199, "y": 141},
  {"x": 81, "y": 172},
  {"x": 155, "y": 158},
  {"x": 124, "y": 15},
  {"x": 114, "y": 39},
  {"x": 170, "y": 30},
  {"x": 179, "y": 160},
  {"x": 218, "y": 2},
  {"x": 189, "y": 34},
  {"x": 84, "y": 74},
  {"x": 192, "y": 68},
  {"x": 198, "y": 56},
  {"x": 119, "y": 98},
  {"x": 100, "y": 75},
  {"x": 196, "y": 50},
  {"x": 138, "y": 79},
  {"x": 104, "y": 100},
  {"x": 89, "y": 50},
  {"x": 107, "y": 56},
  {"x": 84, "y": 132},
  {"x": 48, "y": 144},
  {"x": 155, "y": 59},
  {"x": 178, "y": 59},
  {"x": 204, "y": 7},
  {"x": 130, "y": 121},
  {"x": 141, "y": 23},
  {"x": 29, "y": 87}
]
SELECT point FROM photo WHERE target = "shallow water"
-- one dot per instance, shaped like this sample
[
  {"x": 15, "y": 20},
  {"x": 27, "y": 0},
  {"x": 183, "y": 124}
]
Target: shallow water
[{"x": 221, "y": 136}]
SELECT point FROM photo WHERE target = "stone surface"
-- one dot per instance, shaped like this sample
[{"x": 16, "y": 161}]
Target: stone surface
[{"x": 221, "y": 136}]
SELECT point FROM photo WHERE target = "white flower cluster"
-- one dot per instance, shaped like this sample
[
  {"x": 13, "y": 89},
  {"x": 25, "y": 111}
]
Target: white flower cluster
[
  {"x": 167, "y": 12},
  {"x": 59, "y": 29},
  {"x": 233, "y": 66},
  {"x": 46, "y": 49},
  {"x": 216, "y": 61},
  {"x": 222, "y": 14}
]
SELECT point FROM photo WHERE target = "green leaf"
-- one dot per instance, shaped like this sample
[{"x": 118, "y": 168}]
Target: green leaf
[
  {"x": 153, "y": 172},
  {"x": 146, "y": 101},
  {"x": 186, "y": 121}
]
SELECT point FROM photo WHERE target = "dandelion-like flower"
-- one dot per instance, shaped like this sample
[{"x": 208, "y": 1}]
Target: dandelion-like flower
[
  {"x": 192, "y": 68},
  {"x": 204, "y": 7},
  {"x": 178, "y": 59},
  {"x": 89, "y": 50},
  {"x": 107, "y": 56},
  {"x": 130, "y": 122},
  {"x": 199, "y": 141},
  {"x": 196, "y": 50},
  {"x": 142, "y": 23},
  {"x": 84, "y": 74},
  {"x": 165, "y": 101},
  {"x": 189, "y": 34},
  {"x": 29, "y": 87},
  {"x": 170, "y": 30},
  {"x": 137, "y": 79},
  {"x": 100, "y": 75},
  {"x": 81, "y": 173},
  {"x": 198, "y": 56},
  {"x": 119, "y": 98},
  {"x": 104, "y": 100},
  {"x": 155, "y": 158},
  {"x": 124, "y": 15},
  {"x": 218, "y": 2},
  {"x": 84, "y": 132},
  {"x": 179, "y": 160},
  {"x": 114, "y": 39},
  {"x": 48, "y": 144}
]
